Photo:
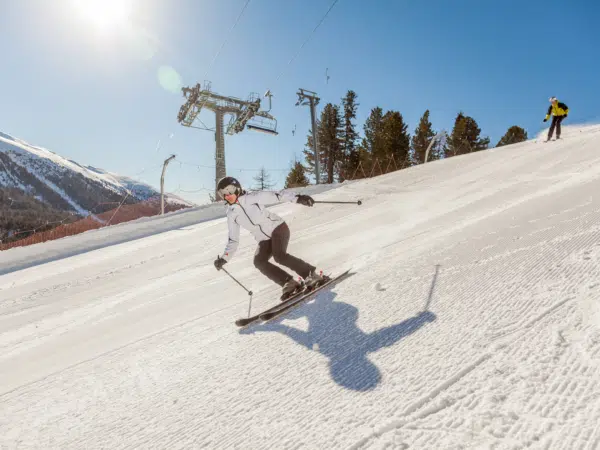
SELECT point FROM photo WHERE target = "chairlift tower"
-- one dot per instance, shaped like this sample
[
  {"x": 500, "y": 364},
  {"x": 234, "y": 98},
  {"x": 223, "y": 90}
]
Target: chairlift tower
[
  {"x": 310, "y": 98},
  {"x": 244, "y": 114}
]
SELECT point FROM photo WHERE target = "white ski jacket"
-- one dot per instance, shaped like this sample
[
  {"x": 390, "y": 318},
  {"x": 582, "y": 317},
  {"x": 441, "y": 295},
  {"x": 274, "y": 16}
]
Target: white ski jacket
[{"x": 249, "y": 212}]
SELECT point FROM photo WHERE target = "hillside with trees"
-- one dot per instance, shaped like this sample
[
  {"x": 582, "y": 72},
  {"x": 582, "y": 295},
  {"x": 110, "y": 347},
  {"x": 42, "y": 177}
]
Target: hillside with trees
[{"x": 385, "y": 144}]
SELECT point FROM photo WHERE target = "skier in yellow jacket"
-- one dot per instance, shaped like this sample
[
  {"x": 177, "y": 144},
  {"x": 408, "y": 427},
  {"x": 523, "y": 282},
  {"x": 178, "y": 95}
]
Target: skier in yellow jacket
[{"x": 559, "y": 111}]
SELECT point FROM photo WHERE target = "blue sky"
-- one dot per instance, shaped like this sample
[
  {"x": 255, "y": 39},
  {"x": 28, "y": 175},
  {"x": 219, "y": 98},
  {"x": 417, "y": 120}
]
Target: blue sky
[{"x": 97, "y": 99}]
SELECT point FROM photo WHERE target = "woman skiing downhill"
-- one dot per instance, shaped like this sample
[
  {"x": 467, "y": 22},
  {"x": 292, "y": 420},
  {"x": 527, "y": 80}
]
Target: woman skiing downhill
[{"x": 247, "y": 209}]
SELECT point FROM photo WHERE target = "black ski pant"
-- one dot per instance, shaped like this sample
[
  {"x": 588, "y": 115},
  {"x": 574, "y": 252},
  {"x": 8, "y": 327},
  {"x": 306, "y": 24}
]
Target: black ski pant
[
  {"x": 277, "y": 248},
  {"x": 556, "y": 120}
]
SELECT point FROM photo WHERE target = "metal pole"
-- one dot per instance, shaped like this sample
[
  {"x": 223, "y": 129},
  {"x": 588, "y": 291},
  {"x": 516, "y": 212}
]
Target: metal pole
[
  {"x": 219, "y": 150},
  {"x": 429, "y": 148},
  {"x": 234, "y": 279},
  {"x": 358, "y": 202},
  {"x": 198, "y": 98},
  {"x": 313, "y": 101},
  {"x": 431, "y": 145},
  {"x": 162, "y": 184},
  {"x": 313, "y": 118}
]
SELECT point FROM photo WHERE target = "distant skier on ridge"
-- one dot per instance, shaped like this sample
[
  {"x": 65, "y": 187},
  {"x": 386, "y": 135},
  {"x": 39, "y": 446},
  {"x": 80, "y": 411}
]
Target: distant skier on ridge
[
  {"x": 559, "y": 111},
  {"x": 247, "y": 209}
]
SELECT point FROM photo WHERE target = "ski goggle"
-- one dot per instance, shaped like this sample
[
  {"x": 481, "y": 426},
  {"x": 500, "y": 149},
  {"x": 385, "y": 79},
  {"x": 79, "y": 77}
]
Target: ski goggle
[
  {"x": 552, "y": 99},
  {"x": 227, "y": 191}
]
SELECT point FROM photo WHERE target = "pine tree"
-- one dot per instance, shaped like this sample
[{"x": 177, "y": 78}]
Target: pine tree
[
  {"x": 421, "y": 140},
  {"x": 263, "y": 180},
  {"x": 330, "y": 143},
  {"x": 296, "y": 177},
  {"x": 465, "y": 137},
  {"x": 349, "y": 136},
  {"x": 513, "y": 135},
  {"x": 396, "y": 138},
  {"x": 456, "y": 141},
  {"x": 309, "y": 155},
  {"x": 473, "y": 133},
  {"x": 373, "y": 142}
]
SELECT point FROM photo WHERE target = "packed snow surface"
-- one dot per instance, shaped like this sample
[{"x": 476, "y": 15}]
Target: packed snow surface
[{"x": 471, "y": 320}]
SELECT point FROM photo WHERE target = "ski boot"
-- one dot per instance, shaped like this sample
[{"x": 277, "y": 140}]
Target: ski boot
[
  {"x": 314, "y": 280},
  {"x": 290, "y": 288}
]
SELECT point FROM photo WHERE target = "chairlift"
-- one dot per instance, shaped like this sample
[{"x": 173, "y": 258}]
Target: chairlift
[
  {"x": 263, "y": 125},
  {"x": 264, "y": 130}
]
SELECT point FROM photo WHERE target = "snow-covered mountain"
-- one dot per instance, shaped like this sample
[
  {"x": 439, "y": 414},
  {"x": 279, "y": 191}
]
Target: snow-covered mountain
[{"x": 65, "y": 184}]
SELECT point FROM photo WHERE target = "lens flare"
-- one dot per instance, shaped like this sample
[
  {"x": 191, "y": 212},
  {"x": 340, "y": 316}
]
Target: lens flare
[{"x": 169, "y": 79}]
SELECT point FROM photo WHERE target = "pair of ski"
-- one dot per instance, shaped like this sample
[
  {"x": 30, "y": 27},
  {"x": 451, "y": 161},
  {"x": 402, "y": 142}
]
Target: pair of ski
[{"x": 290, "y": 302}]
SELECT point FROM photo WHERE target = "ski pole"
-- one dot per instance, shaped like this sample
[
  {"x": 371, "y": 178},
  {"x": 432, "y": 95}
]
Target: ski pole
[
  {"x": 233, "y": 278},
  {"x": 358, "y": 202},
  {"x": 244, "y": 287}
]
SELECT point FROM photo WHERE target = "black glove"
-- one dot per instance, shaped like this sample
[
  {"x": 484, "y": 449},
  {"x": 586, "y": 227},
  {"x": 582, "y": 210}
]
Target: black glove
[
  {"x": 545, "y": 120},
  {"x": 219, "y": 262},
  {"x": 305, "y": 200}
]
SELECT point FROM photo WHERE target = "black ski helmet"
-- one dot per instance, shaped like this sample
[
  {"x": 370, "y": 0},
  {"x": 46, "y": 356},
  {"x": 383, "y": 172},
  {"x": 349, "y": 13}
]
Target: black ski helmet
[{"x": 229, "y": 185}]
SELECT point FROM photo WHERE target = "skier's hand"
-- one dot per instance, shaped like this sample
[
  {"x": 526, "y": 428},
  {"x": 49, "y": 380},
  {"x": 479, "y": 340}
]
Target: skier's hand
[
  {"x": 305, "y": 200},
  {"x": 545, "y": 120},
  {"x": 219, "y": 262}
]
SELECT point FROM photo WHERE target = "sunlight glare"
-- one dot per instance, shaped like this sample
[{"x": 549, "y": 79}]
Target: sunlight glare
[{"x": 105, "y": 15}]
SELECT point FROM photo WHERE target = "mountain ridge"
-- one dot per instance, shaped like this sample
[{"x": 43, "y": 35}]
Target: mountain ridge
[{"x": 66, "y": 184}]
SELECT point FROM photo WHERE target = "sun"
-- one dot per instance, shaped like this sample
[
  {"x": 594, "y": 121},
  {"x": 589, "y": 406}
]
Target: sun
[{"x": 104, "y": 15}]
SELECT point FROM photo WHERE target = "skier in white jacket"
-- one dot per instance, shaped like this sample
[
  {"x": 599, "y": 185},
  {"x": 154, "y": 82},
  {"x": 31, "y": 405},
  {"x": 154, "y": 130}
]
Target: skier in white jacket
[{"x": 272, "y": 233}]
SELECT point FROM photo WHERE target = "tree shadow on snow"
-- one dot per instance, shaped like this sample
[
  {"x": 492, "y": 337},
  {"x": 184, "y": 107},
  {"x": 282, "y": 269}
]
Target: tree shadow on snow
[{"x": 332, "y": 326}]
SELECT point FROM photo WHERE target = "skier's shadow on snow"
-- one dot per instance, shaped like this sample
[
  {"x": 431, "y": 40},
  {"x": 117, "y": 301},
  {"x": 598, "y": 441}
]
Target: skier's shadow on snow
[{"x": 332, "y": 326}]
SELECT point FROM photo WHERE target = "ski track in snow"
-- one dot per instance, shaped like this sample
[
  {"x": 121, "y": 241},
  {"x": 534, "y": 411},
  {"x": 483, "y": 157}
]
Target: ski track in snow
[{"x": 484, "y": 330}]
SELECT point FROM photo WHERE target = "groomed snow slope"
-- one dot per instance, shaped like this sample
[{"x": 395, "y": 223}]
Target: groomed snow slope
[{"x": 485, "y": 332}]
